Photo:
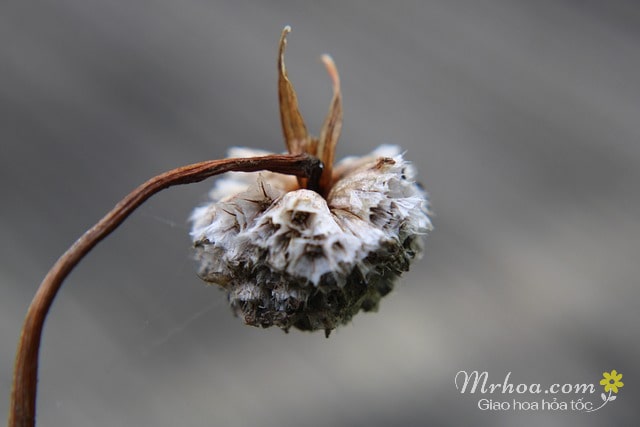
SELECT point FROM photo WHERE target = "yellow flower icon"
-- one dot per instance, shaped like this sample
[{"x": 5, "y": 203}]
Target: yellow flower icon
[{"x": 611, "y": 381}]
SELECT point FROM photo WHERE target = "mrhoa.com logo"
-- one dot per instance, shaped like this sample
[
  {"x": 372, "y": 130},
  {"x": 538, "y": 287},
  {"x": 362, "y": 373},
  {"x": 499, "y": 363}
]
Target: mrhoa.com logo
[{"x": 554, "y": 397}]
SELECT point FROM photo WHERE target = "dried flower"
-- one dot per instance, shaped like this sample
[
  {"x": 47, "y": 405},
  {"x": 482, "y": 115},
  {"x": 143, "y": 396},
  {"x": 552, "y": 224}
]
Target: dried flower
[{"x": 293, "y": 255}]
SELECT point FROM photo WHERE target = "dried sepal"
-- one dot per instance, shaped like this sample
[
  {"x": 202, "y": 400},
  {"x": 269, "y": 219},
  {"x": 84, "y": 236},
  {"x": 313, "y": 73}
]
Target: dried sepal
[
  {"x": 293, "y": 127},
  {"x": 296, "y": 136},
  {"x": 331, "y": 128}
]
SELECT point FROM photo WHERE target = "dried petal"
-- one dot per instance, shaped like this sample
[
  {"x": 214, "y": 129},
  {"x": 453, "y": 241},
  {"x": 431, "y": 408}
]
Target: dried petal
[{"x": 295, "y": 259}]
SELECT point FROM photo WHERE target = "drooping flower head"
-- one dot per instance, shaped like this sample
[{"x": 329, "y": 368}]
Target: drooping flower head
[{"x": 294, "y": 253}]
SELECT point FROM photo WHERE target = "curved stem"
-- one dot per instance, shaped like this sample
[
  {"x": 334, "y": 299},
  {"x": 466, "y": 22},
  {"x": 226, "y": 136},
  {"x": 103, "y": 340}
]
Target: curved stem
[
  {"x": 23, "y": 396},
  {"x": 603, "y": 403}
]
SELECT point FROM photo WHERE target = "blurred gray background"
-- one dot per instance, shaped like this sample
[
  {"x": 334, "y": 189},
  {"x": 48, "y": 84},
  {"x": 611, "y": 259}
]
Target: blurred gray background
[{"x": 522, "y": 116}]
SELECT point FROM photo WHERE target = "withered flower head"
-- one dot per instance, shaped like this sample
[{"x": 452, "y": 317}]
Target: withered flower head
[{"x": 311, "y": 258}]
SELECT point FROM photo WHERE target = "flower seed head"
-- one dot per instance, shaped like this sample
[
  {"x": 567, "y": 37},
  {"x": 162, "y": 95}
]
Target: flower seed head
[{"x": 292, "y": 257}]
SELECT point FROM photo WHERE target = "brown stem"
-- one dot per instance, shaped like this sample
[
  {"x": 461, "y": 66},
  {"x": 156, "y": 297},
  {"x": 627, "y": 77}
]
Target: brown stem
[{"x": 23, "y": 397}]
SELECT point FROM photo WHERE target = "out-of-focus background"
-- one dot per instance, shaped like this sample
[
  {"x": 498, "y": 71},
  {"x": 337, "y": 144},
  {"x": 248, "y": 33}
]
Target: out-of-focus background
[{"x": 523, "y": 118}]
